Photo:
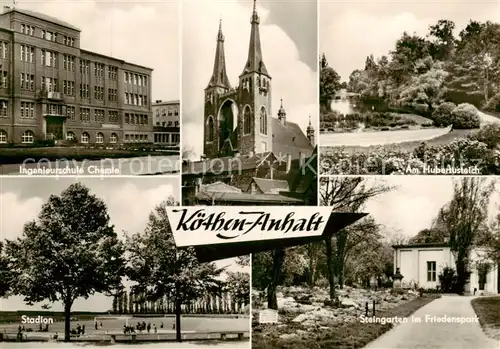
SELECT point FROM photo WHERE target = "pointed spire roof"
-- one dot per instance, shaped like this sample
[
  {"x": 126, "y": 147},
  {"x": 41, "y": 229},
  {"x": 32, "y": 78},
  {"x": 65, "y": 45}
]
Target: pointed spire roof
[
  {"x": 282, "y": 110},
  {"x": 219, "y": 76},
  {"x": 255, "y": 62},
  {"x": 310, "y": 126}
]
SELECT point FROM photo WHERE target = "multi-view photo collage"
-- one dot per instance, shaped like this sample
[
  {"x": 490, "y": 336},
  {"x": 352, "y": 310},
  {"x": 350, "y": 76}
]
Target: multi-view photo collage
[{"x": 249, "y": 174}]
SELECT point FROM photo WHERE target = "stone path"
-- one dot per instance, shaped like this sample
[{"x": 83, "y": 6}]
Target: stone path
[
  {"x": 488, "y": 119},
  {"x": 430, "y": 335}
]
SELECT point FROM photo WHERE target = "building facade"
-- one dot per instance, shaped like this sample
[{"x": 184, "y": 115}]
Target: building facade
[
  {"x": 51, "y": 88},
  {"x": 239, "y": 119},
  {"x": 166, "y": 120},
  {"x": 421, "y": 265}
]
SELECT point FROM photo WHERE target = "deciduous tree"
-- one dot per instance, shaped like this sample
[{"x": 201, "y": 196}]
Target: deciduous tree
[
  {"x": 464, "y": 217},
  {"x": 160, "y": 269},
  {"x": 70, "y": 251}
]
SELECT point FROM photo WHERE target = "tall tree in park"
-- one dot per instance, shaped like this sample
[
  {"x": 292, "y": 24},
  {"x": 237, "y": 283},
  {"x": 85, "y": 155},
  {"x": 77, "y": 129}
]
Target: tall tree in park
[
  {"x": 347, "y": 194},
  {"x": 71, "y": 251},
  {"x": 329, "y": 83},
  {"x": 160, "y": 269},
  {"x": 115, "y": 304},
  {"x": 442, "y": 40},
  {"x": 238, "y": 285},
  {"x": 5, "y": 275},
  {"x": 464, "y": 217},
  {"x": 427, "y": 86},
  {"x": 476, "y": 65},
  {"x": 125, "y": 302},
  {"x": 131, "y": 309},
  {"x": 120, "y": 303},
  {"x": 243, "y": 261},
  {"x": 270, "y": 269}
]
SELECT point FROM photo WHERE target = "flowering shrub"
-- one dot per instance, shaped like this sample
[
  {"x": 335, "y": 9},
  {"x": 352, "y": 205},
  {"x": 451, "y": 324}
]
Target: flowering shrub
[
  {"x": 442, "y": 114},
  {"x": 465, "y": 116},
  {"x": 463, "y": 152}
]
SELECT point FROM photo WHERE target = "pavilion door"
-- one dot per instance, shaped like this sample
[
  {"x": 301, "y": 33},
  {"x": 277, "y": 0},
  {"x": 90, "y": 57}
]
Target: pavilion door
[{"x": 482, "y": 276}]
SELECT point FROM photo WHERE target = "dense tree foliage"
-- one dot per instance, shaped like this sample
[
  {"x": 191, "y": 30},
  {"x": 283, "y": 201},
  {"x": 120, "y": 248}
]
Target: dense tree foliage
[
  {"x": 420, "y": 72},
  {"x": 464, "y": 218},
  {"x": 70, "y": 251},
  {"x": 158, "y": 268}
]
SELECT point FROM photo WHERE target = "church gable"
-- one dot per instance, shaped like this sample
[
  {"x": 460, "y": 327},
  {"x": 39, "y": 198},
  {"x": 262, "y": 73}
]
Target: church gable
[{"x": 289, "y": 138}]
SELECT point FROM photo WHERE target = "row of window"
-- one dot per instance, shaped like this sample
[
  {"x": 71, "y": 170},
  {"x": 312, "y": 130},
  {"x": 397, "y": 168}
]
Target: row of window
[
  {"x": 98, "y": 115},
  {"x": 27, "y": 137},
  {"x": 85, "y": 137},
  {"x": 136, "y": 119},
  {"x": 69, "y": 62},
  {"x": 27, "y": 82},
  {"x": 4, "y": 49},
  {"x": 136, "y": 137},
  {"x": 168, "y": 123},
  {"x": 27, "y": 29},
  {"x": 47, "y": 35},
  {"x": 168, "y": 138},
  {"x": 69, "y": 88},
  {"x": 27, "y": 110},
  {"x": 136, "y": 79},
  {"x": 164, "y": 113},
  {"x": 247, "y": 123},
  {"x": 49, "y": 59},
  {"x": 136, "y": 99}
]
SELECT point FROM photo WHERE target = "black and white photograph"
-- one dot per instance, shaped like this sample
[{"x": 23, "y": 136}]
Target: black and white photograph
[
  {"x": 418, "y": 269},
  {"x": 409, "y": 87},
  {"x": 89, "y": 87},
  {"x": 91, "y": 261},
  {"x": 249, "y": 92}
]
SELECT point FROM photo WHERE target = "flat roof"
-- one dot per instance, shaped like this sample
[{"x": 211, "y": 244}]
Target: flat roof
[
  {"x": 174, "y": 101},
  {"x": 422, "y": 245},
  {"x": 114, "y": 58},
  {"x": 43, "y": 17}
]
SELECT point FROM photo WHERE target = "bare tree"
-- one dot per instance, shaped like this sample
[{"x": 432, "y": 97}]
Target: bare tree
[{"x": 347, "y": 194}]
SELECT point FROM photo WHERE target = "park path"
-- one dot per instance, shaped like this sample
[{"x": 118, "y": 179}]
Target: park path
[
  {"x": 488, "y": 119},
  {"x": 430, "y": 335}
]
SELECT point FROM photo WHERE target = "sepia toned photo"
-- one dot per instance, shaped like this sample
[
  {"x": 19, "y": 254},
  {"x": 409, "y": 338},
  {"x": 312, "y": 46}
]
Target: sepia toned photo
[
  {"x": 82, "y": 265},
  {"x": 86, "y": 89},
  {"x": 418, "y": 268},
  {"x": 249, "y": 124},
  {"x": 409, "y": 88}
]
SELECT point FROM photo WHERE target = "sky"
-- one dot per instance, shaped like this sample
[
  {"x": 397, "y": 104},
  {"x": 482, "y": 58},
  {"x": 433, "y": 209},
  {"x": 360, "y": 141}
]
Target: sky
[
  {"x": 143, "y": 32},
  {"x": 288, "y": 31},
  {"x": 414, "y": 202},
  {"x": 129, "y": 202},
  {"x": 350, "y": 31}
]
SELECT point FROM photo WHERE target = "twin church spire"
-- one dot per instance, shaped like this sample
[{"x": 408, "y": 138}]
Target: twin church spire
[
  {"x": 219, "y": 76},
  {"x": 254, "y": 64}
]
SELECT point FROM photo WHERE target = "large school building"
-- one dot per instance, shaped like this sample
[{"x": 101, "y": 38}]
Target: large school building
[{"x": 50, "y": 88}]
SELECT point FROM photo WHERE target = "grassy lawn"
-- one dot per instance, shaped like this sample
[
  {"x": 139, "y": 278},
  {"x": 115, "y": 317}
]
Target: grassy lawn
[
  {"x": 488, "y": 311},
  {"x": 18, "y": 155},
  {"x": 343, "y": 336},
  {"x": 413, "y": 117},
  {"x": 406, "y": 146}
]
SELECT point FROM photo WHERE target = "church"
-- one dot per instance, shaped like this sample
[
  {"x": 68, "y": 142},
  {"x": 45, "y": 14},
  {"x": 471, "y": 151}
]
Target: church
[{"x": 249, "y": 156}]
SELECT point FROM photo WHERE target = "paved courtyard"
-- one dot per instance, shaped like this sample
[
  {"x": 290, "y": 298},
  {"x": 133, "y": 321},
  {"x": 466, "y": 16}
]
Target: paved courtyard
[{"x": 430, "y": 335}]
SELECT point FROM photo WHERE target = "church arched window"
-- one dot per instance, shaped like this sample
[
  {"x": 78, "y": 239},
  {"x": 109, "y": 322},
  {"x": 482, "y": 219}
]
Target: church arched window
[
  {"x": 263, "y": 121},
  {"x": 247, "y": 120},
  {"x": 210, "y": 130}
]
